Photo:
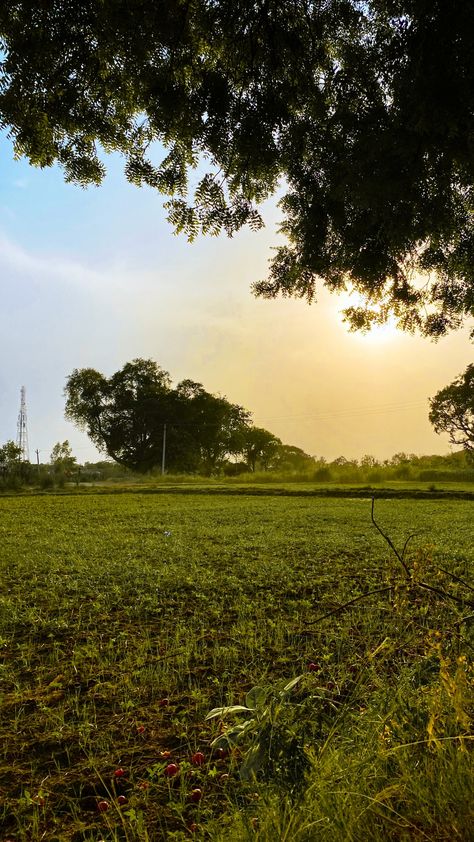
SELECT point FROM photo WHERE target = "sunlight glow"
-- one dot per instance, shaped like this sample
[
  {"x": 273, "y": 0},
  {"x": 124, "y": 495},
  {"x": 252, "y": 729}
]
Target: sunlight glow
[{"x": 378, "y": 334}]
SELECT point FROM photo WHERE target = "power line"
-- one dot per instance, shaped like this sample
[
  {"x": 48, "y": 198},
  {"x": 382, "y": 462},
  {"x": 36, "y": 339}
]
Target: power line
[
  {"x": 349, "y": 413},
  {"x": 327, "y": 415}
]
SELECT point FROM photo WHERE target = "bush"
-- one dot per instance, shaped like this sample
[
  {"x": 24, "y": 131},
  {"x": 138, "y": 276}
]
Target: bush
[{"x": 323, "y": 474}]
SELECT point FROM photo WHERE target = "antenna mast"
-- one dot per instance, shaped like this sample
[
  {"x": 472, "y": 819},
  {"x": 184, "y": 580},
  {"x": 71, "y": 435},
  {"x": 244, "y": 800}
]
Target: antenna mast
[{"x": 22, "y": 429}]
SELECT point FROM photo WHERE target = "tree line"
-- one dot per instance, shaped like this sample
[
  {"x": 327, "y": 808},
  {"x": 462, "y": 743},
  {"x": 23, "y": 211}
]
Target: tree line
[
  {"x": 288, "y": 463},
  {"x": 137, "y": 419},
  {"x": 140, "y": 421},
  {"x": 15, "y": 473}
]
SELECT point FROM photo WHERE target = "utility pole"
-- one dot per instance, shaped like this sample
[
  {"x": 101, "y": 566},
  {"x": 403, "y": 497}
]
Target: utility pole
[
  {"x": 37, "y": 459},
  {"x": 163, "y": 452}
]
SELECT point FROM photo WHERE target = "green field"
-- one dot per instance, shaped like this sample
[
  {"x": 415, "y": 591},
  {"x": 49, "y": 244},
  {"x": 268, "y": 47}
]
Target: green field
[{"x": 125, "y": 618}]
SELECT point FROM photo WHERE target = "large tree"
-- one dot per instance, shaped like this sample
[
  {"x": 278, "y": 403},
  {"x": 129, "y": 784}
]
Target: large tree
[
  {"x": 362, "y": 110},
  {"x": 123, "y": 415},
  {"x": 126, "y": 415},
  {"x": 452, "y": 410}
]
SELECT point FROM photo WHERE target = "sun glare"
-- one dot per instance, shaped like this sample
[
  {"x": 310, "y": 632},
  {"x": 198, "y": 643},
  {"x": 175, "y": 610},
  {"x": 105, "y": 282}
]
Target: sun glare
[
  {"x": 378, "y": 334},
  {"x": 382, "y": 333}
]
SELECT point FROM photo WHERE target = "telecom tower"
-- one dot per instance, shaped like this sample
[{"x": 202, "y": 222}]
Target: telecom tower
[{"x": 22, "y": 429}]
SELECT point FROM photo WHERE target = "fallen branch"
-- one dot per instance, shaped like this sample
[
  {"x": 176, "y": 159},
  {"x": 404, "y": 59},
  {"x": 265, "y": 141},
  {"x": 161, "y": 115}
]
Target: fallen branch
[
  {"x": 439, "y": 591},
  {"x": 348, "y": 604},
  {"x": 390, "y": 542},
  {"x": 444, "y": 594},
  {"x": 456, "y": 578}
]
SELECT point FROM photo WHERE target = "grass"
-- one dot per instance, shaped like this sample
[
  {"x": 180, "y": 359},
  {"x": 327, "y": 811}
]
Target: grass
[{"x": 126, "y": 617}]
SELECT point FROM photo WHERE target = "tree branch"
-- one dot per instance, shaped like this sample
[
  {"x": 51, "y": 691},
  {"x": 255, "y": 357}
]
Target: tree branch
[
  {"x": 347, "y": 604},
  {"x": 390, "y": 542}
]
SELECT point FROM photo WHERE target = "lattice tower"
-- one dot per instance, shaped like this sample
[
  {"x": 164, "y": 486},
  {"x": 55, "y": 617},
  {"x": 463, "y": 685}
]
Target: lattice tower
[{"x": 22, "y": 429}]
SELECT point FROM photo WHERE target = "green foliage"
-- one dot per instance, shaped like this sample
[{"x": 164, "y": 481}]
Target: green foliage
[
  {"x": 363, "y": 110},
  {"x": 270, "y": 734},
  {"x": 291, "y": 458},
  {"x": 9, "y": 455},
  {"x": 208, "y": 428},
  {"x": 452, "y": 411},
  {"x": 13, "y": 472},
  {"x": 61, "y": 459},
  {"x": 259, "y": 447},
  {"x": 402, "y": 467},
  {"x": 125, "y": 416}
]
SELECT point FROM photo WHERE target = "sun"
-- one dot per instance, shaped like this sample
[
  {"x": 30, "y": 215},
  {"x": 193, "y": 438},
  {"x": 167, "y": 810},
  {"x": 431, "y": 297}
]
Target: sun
[{"x": 379, "y": 334}]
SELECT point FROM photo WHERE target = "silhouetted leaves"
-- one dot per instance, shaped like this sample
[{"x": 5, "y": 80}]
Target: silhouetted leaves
[
  {"x": 452, "y": 410},
  {"x": 363, "y": 111}
]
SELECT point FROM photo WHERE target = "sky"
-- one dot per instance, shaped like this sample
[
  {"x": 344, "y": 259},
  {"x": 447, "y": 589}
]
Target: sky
[{"x": 96, "y": 277}]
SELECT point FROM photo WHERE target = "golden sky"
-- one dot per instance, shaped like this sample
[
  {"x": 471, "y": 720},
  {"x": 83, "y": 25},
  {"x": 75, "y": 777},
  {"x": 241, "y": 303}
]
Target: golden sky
[{"x": 97, "y": 278}]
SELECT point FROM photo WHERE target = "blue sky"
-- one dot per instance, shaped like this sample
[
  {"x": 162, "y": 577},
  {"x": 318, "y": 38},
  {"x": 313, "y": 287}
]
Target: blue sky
[{"x": 96, "y": 277}]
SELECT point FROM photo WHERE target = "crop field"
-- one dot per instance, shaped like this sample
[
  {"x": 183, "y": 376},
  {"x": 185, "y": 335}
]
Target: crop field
[{"x": 125, "y": 619}]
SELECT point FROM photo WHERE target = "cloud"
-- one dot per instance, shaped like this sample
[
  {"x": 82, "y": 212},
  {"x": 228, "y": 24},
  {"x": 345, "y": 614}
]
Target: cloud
[{"x": 48, "y": 269}]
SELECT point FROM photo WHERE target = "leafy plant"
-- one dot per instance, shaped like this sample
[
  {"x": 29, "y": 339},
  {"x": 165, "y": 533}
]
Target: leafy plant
[{"x": 268, "y": 734}]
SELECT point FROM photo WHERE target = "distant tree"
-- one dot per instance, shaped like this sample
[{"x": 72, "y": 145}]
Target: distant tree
[
  {"x": 452, "y": 410},
  {"x": 342, "y": 462},
  {"x": 9, "y": 455},
  {"x": 123, "y": 415},
  {"x": 369, "y": 461},
  {"x": 13, "y": 472},
  {"x": 218, "y": 426},
  {"x": 291, "y": 458},
  {"x": 400, "y": 459},
  {"x": 459, "y": 460},
  {"x": 259, "y": 446},
  {"x": 363, "y": 110},
  {"x": 61, "y": 459},
  {"x": 322, "y": 471},
  {"x": 345, "y": 470}
]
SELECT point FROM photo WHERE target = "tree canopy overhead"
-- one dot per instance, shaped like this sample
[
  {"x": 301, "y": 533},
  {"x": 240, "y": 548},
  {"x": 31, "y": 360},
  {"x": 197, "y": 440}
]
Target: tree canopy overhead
[{"x": 362, "y": 110}]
